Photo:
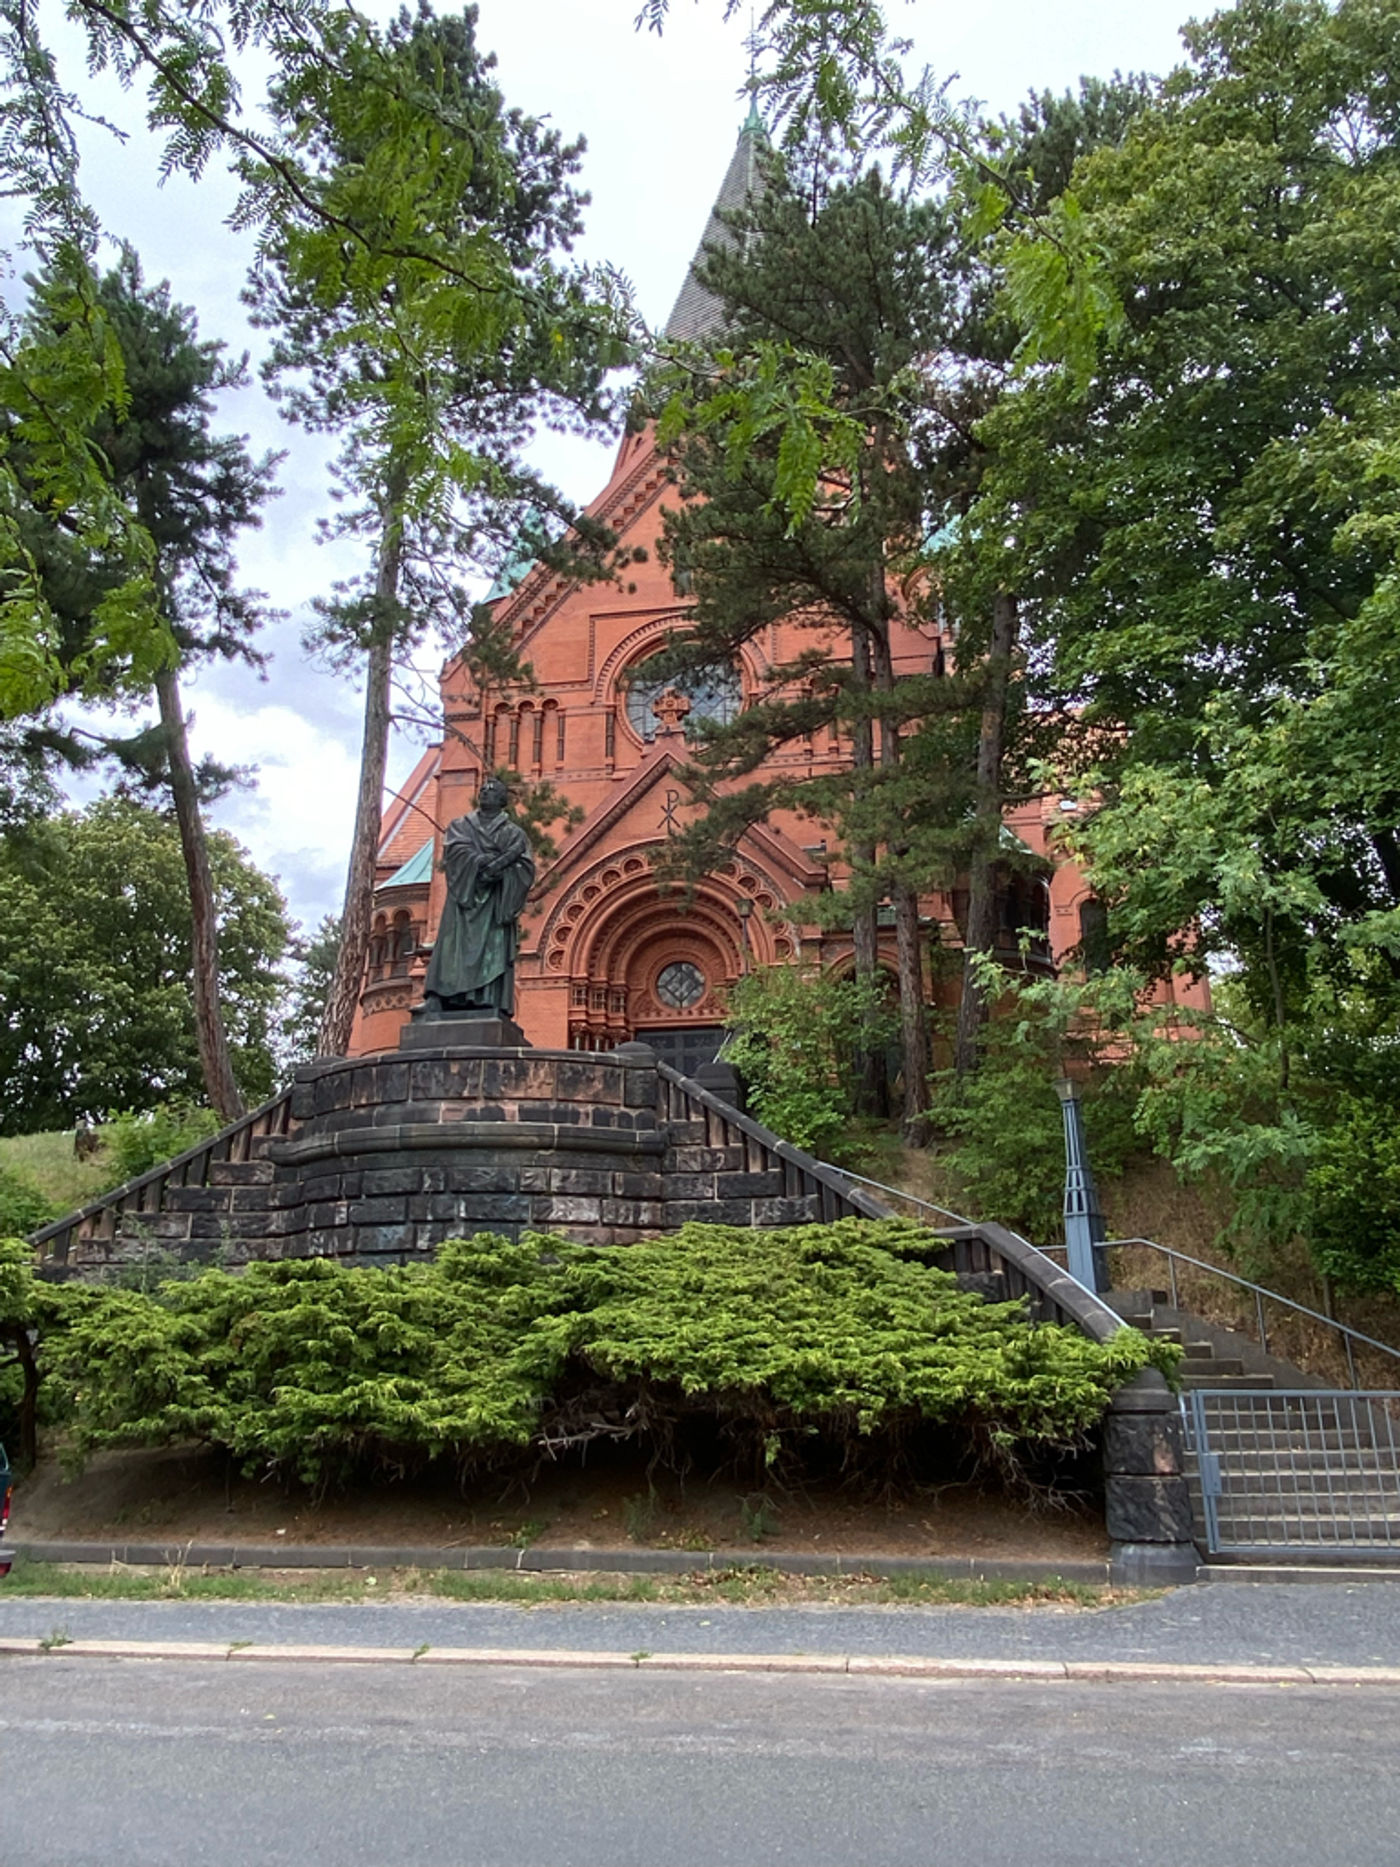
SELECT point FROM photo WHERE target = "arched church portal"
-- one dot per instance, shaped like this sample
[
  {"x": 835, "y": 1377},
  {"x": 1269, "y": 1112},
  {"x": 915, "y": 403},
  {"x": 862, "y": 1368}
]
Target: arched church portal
[{"x": 646, "y": 962}]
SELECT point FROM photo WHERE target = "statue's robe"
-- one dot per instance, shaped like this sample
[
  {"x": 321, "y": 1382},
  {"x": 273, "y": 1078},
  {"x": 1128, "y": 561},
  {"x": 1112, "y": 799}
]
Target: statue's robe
[{"x": 473, "y": 962}]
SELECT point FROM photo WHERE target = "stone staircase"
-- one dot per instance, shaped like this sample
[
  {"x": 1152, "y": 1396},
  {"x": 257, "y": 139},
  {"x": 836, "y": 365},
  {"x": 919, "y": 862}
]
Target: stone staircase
[{"x": 1295, "y": 1470}]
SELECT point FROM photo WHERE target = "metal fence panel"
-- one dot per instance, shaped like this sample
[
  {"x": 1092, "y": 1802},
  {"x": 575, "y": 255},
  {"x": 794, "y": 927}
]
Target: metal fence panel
[{"x": 1296, "y": 1470}]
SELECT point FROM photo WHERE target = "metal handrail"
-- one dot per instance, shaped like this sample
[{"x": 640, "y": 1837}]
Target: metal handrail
[
  {"x": 1086, "y": 1302},
  {"x": 914, "y": 1199},
  {"x": 1260, "y": 1293}
]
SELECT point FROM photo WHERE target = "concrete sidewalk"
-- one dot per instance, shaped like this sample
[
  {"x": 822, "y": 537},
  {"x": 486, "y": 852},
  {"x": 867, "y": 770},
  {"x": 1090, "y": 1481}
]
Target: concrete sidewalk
[
  {"x": 1269, "y": 1625},
  {"x": 1101, "y": 1672}
]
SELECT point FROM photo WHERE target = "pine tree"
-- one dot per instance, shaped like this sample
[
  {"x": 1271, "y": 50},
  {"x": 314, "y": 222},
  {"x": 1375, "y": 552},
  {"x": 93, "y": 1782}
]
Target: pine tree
[
  {"x": 193, "y": 492},
  {"x": 866, "y": 290}
]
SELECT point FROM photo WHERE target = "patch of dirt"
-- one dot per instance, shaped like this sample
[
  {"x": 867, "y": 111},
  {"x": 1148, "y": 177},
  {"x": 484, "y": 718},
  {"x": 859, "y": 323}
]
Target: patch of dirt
[{"x": 186, "y": 1495}]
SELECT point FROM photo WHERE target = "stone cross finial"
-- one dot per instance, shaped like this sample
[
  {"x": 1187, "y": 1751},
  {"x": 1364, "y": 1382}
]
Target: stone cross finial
[{"x": 671, "y": 708}]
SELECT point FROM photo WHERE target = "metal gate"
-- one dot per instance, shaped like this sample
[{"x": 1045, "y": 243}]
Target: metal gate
[{"x": 1307, "y": 1469}]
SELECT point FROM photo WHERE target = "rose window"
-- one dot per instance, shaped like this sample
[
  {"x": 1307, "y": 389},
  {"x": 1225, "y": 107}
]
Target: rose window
[
  {"x": 714, "y": 694},
  {"x": 680, "y": 985}
]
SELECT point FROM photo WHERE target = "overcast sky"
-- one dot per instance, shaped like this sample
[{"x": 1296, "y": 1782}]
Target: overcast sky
[{"x": 660, "y": 117}]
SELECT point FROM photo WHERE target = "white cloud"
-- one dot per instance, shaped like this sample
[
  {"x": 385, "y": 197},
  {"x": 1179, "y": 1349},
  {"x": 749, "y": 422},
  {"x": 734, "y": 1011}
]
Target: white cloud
[{"x": 297, "y": 822}]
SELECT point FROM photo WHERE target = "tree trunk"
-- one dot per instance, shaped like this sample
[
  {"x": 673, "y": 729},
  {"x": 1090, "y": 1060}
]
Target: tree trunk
[
  {"x": 344, "y": 996},
  {"x": 29, "y": 1399},
  {"x": 870, "y": 1067},
  {"x": 981, "y": 906},
  {"x": 913, "y": 1020},
  {"x": 219, "y": 1081}
]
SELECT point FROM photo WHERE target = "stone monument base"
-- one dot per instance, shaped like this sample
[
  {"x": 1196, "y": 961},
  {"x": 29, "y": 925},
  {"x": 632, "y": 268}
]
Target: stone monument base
[{"x": 458, "y": 1030}]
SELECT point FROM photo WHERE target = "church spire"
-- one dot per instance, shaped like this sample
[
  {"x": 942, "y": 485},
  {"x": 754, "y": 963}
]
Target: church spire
[{"x": 696, "y": 312}]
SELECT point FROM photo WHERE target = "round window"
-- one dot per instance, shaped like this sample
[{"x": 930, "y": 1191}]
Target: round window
[
  {"x": 680, "y": 985},
  {"x": 716, "y": 694}
]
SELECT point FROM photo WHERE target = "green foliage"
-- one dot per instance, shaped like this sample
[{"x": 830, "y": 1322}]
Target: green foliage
[
  {"x": 792, "y": 1034},
  {"x": 1004, "y": 1119},
  {"x": 95, "y": 965},
  {"x": 314, "y": 968},
  {"x": 1352, "y": 1195},
  {"x": 23, "y": 1206},
  {"x": 137, "y": 1140},
  {"x": 840, "y": 1334}
]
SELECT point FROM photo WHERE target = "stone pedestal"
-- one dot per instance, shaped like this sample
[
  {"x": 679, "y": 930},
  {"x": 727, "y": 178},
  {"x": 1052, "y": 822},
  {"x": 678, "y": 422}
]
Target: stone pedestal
[
  {"x": 1147, "y": 1504},
  {"x": 458, "y": 1030}
]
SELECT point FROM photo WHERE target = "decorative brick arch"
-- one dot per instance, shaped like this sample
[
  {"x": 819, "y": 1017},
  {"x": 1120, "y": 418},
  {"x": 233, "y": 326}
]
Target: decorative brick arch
[
  {"x": 617, "y": 929},
  {"x": 644, "y": 641}
]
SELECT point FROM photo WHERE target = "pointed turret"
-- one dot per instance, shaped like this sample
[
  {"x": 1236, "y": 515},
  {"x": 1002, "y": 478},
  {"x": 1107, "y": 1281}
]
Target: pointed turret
[{"x": 696, "y": 312}]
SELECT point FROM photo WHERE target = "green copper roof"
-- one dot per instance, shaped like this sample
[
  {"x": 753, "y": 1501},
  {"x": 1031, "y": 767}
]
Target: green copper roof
[
  {"x": 523, "y": 554},
  {"x": 418, "y": 868}
]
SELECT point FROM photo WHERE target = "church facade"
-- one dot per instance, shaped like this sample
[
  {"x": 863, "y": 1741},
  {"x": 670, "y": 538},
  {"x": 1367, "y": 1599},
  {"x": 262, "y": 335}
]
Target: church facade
[{"x": 608, "y": 953}]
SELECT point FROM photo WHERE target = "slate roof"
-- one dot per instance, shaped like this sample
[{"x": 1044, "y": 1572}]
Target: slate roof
[{"x": 696, "y": 312}]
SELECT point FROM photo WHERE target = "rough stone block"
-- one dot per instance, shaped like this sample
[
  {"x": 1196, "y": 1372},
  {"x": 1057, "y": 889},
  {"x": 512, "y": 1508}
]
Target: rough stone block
[
  {"x": 373, "y": 1240},
  {"x": 248, "y": 1199},
  {"x": 196, "y": 1199},
  {"x": 709, "y": 1212},
  {"x": 690, "y": 1186},
  {"x": 1147, "y": 1444},
  {"x": 632, "y": 1185},
  {"x": 486, "y": 1177},
  {"x": 566, "y": 1210},
  {"x": 239, "y": 1172},
  {"x": 378, "y": 1181},
  {"x": 800, "y": 1209},
  {"x": 438, "y": 1079},
  {"x": 1147, "y": 1510},
  {"x": 363, "y": 1212},
  {"x": 749, "y": 1185},
  {"x": 391, "y": 1082},
  {"x": 491, "y": 1212},
  {"x": 586, "y": 1180},
  {"x": 396, "y": 1112},
  {"x": 208, "y": 1225}
]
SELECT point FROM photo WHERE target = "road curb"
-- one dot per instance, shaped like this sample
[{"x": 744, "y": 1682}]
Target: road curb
[
  {"x": 1123, "y": 1672},
  {"x": 537, "y": 1561}
]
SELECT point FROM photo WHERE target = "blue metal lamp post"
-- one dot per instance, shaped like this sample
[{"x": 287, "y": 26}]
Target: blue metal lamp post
[{"x": 1084, "y": 1228}]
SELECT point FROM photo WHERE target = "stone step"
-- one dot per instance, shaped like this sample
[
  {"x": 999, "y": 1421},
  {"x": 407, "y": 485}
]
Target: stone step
[
  {"x": 1309, "y": 1461},
  {"x": 240, "y": 1172},
  {"x": 1229, "y": 1375}
]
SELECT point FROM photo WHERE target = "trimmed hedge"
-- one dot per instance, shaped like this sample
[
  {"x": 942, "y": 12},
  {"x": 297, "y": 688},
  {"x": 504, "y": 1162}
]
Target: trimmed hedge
[{"x": 843, "y": 1332}]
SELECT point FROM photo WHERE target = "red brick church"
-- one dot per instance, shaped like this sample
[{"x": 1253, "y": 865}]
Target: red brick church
[{"x": 607, "y": 954}]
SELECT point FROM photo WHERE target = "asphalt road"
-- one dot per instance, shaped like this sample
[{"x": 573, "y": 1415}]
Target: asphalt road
[
  {"x": 1344, "y": 1624},
  {"x": 143, "y": 1763}
]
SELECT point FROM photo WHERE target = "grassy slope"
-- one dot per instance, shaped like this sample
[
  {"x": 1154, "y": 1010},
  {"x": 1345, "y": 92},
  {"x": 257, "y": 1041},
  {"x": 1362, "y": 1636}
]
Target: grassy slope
[
  {"x": 1148, "y": 1201},
  {"x": 48, "y": 1162}
]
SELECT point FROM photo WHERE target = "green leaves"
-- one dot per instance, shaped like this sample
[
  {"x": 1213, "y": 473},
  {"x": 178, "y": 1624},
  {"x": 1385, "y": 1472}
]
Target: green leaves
[
  {"x": 95, "y": 997},
  {"x": 793, "y": 1033}
]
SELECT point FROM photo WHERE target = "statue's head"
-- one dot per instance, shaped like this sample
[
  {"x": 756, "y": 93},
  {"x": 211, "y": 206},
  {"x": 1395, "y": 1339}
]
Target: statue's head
[{"x": 492, "y": 796}]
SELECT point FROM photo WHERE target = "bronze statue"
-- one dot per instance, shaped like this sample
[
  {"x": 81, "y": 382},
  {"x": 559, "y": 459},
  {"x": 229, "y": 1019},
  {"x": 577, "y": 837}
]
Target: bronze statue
[{"x": 489, "y": 871}]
